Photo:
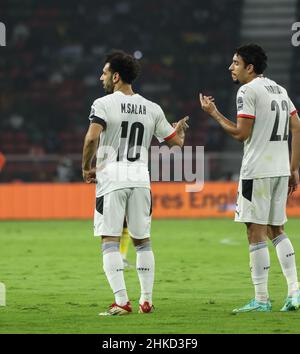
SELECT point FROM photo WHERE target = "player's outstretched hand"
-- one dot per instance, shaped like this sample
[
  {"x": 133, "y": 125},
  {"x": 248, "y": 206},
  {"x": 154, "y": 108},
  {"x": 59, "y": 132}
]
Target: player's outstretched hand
[
  {"x": 207, "y": 103},
  {"x": 181, "y": 125},
  {"x": 89, "y": 176},
  {"x": 293, "y": 182}
]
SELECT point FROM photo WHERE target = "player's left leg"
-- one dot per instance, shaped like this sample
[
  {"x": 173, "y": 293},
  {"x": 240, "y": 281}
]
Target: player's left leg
[
  {"x": 253, "y": 210},
  {"x": 113, "y": 268},
  {"x": 259, "y": 267},
  {"x": 139, "y": 222},
  {"x": 286, "y": 257},
  {"x": 108, "y": 223}
]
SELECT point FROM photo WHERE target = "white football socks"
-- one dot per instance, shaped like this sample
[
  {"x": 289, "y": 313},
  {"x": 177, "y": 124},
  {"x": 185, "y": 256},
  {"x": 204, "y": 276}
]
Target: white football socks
[
  {"x": 114, "y": 270},
  {"x": 145, "y": 265},
  {"x": 286, "y": 256},
  {"x": 259, "y": 266}
]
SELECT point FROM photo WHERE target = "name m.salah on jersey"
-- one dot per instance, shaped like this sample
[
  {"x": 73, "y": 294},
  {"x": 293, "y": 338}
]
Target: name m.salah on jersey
[{"x": 132, "y": 108}]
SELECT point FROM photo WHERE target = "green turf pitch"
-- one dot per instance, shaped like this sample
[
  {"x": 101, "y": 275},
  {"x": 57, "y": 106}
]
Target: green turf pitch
[{"x": 55, "y": 283}]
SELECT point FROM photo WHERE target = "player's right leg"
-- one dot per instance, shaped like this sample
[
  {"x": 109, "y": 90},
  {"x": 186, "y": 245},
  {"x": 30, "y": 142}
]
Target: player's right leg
[
  {"x": 284, "y": 248},
  {"x": 108, "y": 223},
  {"x": 139, "y": 223},
  {"x": 145, "y": 265}
]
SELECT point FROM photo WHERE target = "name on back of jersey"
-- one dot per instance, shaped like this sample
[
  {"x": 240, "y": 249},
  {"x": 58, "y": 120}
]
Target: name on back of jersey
[
  {"x": 274, "y": 89},
  {"x": 132, "y": 108}
]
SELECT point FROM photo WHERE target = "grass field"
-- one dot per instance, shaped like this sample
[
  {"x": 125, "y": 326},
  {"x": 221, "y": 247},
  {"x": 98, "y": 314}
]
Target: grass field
[{"x": 55, "y": 283}]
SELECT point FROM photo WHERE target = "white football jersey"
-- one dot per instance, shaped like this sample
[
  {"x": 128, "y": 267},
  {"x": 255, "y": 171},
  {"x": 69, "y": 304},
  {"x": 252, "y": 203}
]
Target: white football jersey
[
  {"x": 266, "y": 152},
  {"x": 129, "y": 124}
]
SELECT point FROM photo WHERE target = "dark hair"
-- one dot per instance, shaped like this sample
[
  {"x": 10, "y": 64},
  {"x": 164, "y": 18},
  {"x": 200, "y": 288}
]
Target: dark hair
[
  {"x": 255, "y": 55},
  {"x": 124, "y": 64}
]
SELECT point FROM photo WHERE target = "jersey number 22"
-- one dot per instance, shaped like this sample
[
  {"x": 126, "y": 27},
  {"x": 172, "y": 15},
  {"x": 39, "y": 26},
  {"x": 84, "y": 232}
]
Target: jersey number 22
[{"x": 275, "y": 107}]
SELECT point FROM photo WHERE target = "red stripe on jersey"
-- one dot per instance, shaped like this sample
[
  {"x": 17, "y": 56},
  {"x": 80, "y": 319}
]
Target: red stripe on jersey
[
  {"x": 245, "y": 116},
  {"x": 294, "y": 112},
  {"x": 170, "y": 136}
]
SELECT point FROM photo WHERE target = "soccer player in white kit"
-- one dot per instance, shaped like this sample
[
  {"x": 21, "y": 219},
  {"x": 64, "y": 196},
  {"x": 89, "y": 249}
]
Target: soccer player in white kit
[
  {"x": 265, "y": 115},
  {"x": 122, "y": 125}
]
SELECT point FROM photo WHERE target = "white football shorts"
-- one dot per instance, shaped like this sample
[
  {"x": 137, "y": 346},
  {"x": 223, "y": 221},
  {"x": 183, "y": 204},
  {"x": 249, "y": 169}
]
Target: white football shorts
[
  {"x": 133, "y": 203},
  {"x": 262, "y": 201}
]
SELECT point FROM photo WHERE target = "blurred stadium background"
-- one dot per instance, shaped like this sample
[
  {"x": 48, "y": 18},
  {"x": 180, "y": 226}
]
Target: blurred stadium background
[
  {"x": 49, "y": 77},
  {"x": 50, "y": 68}
]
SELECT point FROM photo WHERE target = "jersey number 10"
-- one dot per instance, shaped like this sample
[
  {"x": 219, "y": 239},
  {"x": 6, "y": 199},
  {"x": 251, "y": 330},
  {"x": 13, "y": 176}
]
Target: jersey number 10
[
  {"x": 134, "y": 144},
  {"x": 275, "y": 107}
]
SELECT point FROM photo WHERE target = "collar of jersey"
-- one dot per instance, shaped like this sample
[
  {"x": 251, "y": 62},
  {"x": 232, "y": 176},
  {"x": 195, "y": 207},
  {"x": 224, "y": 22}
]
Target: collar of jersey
[{"x": 123, "y": 94}]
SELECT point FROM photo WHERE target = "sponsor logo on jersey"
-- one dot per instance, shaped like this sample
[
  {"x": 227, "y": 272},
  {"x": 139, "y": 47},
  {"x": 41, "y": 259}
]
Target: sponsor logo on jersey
[
  {"x": 240, "y": 103},
  {"x": 92, "y": 111}
]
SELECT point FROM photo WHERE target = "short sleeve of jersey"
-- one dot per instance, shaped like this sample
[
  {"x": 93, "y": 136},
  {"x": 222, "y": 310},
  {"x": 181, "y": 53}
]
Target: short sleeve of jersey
[
  {"x": 292, "y": 109},
  {"x": 245, "y": 103},
  {"x": 163, "y": 129},
  {"x": 97, "y": 114}
]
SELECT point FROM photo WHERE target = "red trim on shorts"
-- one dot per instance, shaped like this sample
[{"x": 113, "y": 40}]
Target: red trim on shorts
[
  {"x": 294, "y": 112},
  {"x": 170, "y": 136},
  {"x": 245, "y": 116}
]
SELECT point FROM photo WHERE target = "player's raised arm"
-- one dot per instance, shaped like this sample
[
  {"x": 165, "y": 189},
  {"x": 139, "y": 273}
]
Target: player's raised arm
[
  {"x": 295, "y": 153},
  {"x": 89, "y": 150},
  {"x": 239, "y": 131}
]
